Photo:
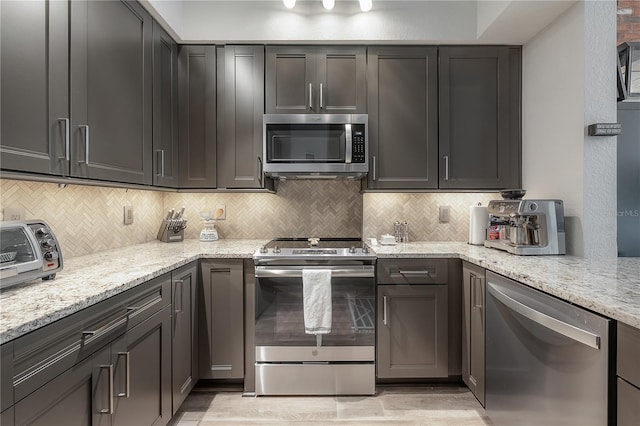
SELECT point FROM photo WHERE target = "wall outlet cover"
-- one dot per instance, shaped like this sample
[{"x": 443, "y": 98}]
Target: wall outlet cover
[
  {"x": 128, "y": 215},
  {"x": 220, "y": 212},
  {"x": 13, "y": 213},
  {"x": 444, "y": 214}
]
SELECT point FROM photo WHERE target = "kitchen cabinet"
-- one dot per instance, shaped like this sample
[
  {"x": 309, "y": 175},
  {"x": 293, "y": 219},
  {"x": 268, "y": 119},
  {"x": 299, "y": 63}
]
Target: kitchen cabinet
[
  {"x": 165, "y": 109},
  {"x": 240, "y": 92},
  {"x": 6, "y": 376},
  {"x": 221, "y": 324},
  {"x": 480, "y": 117},
  {"x": 142, "y": 373},
  {"x": 473, "y": 329},
  {"x": 412, "y": 319},
  {"x": 111, "y": 91},
  {"x": 403, "y": 117},
  {"x": 35, "y": 88},
  {"x": 76, "y": 89},
  {"x": 184, "y": 336},
  {"x": 628, "y": 381},
  {"x": 107, "y": 364},
  {"x": 316, "y": 79},
  {"x": 197, "y": 116}
]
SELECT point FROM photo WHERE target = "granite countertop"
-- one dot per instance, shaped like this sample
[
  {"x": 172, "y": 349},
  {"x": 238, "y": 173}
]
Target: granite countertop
[{"x": 609, "y": 287}]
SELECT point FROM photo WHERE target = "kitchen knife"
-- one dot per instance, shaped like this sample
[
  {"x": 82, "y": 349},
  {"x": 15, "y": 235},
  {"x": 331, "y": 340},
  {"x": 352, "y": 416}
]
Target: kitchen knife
[
  {"x": 180, "y": 213},
  {"x": 169, "y": 214}
]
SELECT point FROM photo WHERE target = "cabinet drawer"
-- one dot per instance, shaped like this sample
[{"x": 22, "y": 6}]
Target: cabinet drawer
[
  {"x": 629, "y": 353},
  {"x": 628, "y": 404},
  {"x": 45, "y": 353},
  {"x": 412, "y": 271}
]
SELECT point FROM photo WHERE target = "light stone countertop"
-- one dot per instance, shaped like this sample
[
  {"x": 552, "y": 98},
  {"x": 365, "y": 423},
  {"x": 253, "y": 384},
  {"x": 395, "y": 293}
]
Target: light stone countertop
[{"x": 609, "y": 287}]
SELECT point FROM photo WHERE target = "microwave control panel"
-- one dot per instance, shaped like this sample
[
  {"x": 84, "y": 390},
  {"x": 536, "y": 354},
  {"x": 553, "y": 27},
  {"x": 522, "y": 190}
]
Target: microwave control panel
[{"x": 358, "y": 154}]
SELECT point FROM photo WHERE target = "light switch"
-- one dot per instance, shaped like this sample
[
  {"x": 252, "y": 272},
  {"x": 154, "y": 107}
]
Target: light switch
[
  {"x": 220, "y": 213},
  {"x": 11, "y": 213}
]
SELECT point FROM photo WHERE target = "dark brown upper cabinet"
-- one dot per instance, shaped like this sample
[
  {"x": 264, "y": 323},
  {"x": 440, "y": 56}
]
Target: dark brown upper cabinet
[
  {"x": 480, "y": 117},
  {"x": 111, "y": 91},
  {"x": 165, "y": 109},
  {"x": 197, "y": 116},
  {"x": 240, "y": 109},
  {"x": 403, "y": 117},
  {"x": 35, "y": 87},
  {"x": 316, "y": 79}
]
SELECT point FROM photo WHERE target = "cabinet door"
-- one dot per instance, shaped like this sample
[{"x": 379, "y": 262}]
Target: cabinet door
[
  {"x": 79, "y": 396},
  {"x": 142, "y": 373},
  {"x": 184, "y": 333},
  {"x": 480, "y": 131},
  {"x": 412, "y": 331},
  {"x": 403, "y": 117},
  {"x": 197, "y": 110},
  {"x": 342, "y": 80},
  {"x": 111, "y": 91},
  {"x": 165, "y": 108},
  {"x": 290, "y": 80},
  {"x": 34, "y": 86},
  {"x": 473, "y": 287},
  {"x": 221, "y": 324},
  {"x": 628, "y": 403},
  {"x": 6, "y": 376},
  {"x": 240, "y": 111}
]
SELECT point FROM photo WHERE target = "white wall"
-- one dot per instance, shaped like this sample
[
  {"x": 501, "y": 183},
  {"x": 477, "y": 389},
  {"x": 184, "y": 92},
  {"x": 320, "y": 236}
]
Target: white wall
[{"x": 568, "y": 83}]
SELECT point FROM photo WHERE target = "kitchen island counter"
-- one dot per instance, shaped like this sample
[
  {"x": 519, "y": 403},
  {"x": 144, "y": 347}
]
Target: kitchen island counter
[{"x": 609, "y": 287}]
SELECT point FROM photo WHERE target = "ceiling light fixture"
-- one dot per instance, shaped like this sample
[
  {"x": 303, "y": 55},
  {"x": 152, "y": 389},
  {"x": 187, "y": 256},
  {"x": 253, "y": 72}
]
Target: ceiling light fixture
[
  {"x": 328, "y": 4},
  {"x": 289, "y": 3},
  {"x": 365, "y": 5}
]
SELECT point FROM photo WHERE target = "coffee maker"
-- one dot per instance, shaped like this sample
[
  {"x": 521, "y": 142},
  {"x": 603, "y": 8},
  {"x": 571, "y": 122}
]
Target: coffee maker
[{"x": 526, "y": 227}]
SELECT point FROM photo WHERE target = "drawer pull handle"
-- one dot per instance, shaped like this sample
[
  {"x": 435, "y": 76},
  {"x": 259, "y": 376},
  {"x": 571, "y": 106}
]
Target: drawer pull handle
[
  {"x": 116, "y": 322},
  {"x": 127, "y": 382}
]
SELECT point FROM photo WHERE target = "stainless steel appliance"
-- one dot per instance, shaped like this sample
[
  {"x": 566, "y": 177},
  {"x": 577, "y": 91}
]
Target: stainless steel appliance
[
  {"x": 288, "y": 360},
  {"x": 28, "y": 251},
  {"x": 547, "y": 361},
  {"x": 308, "y": 146},
  {"x": 526, "y": 227}
]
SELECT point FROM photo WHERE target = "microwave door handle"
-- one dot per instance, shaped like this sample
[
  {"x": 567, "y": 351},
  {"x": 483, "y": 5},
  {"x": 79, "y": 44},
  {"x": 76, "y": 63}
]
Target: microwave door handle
[{"x": 349, "y": 144}]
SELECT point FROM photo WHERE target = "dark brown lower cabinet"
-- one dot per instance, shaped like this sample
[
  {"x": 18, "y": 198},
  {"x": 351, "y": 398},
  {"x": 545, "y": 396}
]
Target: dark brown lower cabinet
[
  {"x": 142, "y": 373},
  {"x": 221, "y": 319},
  {"x": 473, "y": 329},
  {"x": 79, "y": 396},
  {"x": 184, "y": 332},
  {"x": 628, "y": 386},
  {"x": 412, "y": 331}
]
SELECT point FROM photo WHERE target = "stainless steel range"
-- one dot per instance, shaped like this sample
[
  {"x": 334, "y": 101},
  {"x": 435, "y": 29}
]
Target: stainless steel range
[{"x": 315, "y": 317}]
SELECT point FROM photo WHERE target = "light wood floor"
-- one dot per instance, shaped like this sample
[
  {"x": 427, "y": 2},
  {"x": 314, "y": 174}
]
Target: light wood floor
[{"x": 435, "y": 405}]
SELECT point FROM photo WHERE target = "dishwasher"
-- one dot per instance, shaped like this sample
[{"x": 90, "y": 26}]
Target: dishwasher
[{"x": 547, "y": 361}]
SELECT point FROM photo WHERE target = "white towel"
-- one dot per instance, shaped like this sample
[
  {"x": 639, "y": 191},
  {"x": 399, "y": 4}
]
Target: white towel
[{"x": 316, "y": 292}]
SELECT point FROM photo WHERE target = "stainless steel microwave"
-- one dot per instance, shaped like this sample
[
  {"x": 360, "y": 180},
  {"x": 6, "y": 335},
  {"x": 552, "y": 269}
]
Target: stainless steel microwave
[{"x": 315, "y": 146}]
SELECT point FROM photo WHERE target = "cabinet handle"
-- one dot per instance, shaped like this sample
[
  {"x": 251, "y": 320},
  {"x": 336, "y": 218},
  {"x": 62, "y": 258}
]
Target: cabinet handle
[
  {"x": 446, "y": 167},
  {"x": 67, "y": 141},
  {"x": 161, "y": 152},
  {"x": 418, "y": 273},
  {"x": 311, "y": 96},
  {"x": 108, "y": 410},
  {"x": 86, "y": 144},
  {"x": 373, "y": 163},
  {"x": 108, "y": 326},
  {"x": 384, "y": 310},
  {"x": 181, "y": 283},
  {"x": 321, "y": 102},
  {"x": 127, "y": 370},
  {"x": 260, "y": 171},
  {"x": 475, "y": 286}
]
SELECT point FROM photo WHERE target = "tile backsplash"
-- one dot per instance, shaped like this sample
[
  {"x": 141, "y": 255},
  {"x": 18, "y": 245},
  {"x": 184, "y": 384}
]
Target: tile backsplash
[
  {"x": 420, "y": 211},
  {"x": 89, "y": 219}
]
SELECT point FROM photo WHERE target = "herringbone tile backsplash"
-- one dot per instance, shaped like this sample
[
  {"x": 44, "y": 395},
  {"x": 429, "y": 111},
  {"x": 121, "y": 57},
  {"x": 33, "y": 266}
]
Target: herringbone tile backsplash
[{"x": 88, "y": 219}]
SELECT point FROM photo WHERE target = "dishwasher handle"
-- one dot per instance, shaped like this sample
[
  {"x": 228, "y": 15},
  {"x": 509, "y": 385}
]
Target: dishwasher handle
[{"x": 554, "y": 324}]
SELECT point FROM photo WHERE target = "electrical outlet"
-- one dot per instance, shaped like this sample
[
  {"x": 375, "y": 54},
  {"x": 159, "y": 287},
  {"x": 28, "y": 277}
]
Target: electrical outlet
[
  {"x": 12, "y": 213},
  {"x": 220, "y": 212},
  {"x": 443, "y": 214},
  {"x": 128, "y": 215}
]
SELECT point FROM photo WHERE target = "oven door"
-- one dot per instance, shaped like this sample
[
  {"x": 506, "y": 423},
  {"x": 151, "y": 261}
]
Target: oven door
[{"x": 280, "y": 314}]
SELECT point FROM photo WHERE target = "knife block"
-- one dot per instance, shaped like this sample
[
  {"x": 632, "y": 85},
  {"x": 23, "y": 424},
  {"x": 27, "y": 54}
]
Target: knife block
[{"x": 172, "y": 231}]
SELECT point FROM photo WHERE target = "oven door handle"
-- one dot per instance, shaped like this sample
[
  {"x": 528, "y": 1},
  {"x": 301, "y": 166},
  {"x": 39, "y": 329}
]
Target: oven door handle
[{"x": 297, "y": 273}]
